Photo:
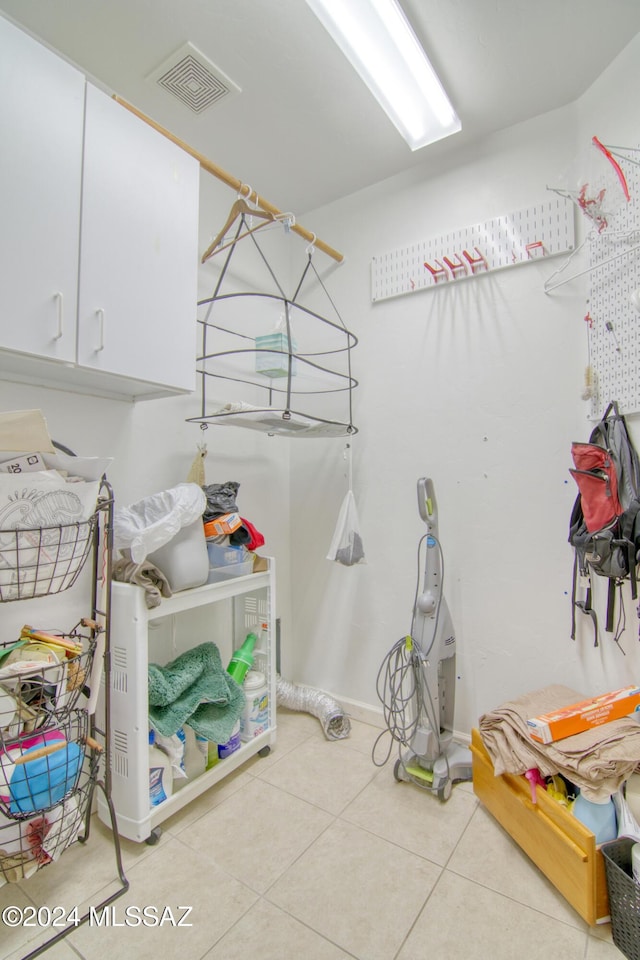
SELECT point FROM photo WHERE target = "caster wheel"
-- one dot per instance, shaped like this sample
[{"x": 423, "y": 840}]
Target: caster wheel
[
  {"x": 264, "y": 751},
  {"x": 397, "y": 771},
  {"x": 444, "y": 792},
  {"x": 154, "y": 836}
]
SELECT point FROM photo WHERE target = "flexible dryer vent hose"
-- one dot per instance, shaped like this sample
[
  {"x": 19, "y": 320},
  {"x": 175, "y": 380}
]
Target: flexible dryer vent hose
[{"x": 295, "y": 696}]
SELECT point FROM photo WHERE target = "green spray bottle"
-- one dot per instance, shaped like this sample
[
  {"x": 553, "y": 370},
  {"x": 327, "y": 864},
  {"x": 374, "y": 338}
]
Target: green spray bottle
[{"x": 242, "y": 659}]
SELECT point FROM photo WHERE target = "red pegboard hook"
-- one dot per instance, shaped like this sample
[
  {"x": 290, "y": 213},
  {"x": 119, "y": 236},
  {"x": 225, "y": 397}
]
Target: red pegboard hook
[
  {"x": 454, "y": 267},
  {"x": 438, "y": 273},
  {"x": 475, "y": 262}
]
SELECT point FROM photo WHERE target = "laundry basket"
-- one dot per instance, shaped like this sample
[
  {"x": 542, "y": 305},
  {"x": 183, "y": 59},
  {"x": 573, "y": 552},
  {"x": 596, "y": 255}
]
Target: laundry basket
[{"x": 624, "y": 896}]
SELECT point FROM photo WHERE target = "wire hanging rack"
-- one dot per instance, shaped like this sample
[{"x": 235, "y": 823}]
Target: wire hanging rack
[{"x": 284, "y": 368}]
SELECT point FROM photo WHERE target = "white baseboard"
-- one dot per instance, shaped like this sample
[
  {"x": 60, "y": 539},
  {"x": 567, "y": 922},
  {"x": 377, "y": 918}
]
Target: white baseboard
[
  {"x": 363, "y": 712},
  {"x": 366, "y": 713}
]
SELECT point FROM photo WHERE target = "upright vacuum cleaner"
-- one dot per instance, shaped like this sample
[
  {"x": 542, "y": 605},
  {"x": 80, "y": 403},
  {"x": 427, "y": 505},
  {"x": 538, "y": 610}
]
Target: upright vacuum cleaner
[{"x": 420, "y": 676}]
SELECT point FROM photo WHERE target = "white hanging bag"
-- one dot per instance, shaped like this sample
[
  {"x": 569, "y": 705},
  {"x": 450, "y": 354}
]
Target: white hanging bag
[{"x": 346, "y": 545}]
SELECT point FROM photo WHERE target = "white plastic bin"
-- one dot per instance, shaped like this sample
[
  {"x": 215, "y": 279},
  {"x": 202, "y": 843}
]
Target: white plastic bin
[
  {"x": 230, "y": 571},
  {"x": 184, "y": 559},
  {"x": 222, "y": 554}
]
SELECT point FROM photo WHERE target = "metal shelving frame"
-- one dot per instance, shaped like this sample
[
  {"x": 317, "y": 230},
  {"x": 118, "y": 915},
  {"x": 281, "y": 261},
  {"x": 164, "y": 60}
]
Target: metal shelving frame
[{"x": 99, "y": 761}]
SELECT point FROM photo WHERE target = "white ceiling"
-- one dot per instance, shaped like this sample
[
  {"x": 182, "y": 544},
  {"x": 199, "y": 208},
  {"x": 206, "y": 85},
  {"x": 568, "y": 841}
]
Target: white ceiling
[{"x": 305, "y": 130}]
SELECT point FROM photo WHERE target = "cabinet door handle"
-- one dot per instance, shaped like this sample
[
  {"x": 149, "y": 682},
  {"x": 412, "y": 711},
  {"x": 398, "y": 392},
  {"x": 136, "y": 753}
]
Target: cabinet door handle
[
  {"x": 58, "y": 298},
  {"x": 100, "y": 316}
]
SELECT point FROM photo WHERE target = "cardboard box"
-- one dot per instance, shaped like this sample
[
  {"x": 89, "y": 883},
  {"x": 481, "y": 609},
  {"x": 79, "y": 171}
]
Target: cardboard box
[
  {"x": 222, "y": 525},
  {"x": 577, "y": 717}
]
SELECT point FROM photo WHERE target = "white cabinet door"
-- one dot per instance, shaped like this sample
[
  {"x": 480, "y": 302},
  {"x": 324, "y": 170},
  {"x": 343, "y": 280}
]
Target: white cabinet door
[
  {"x": 139, "y": 249},
  {"x": 41, "y": 119}
]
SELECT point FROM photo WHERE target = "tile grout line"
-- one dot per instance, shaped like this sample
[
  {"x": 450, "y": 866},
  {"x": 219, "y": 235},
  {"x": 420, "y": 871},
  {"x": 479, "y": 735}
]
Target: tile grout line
[
  {"x": 419, "y": 914},
  {"x": 485, "y": 886},
  {"x": 298, "y": 857},
  {"x": 307, "y": 926}
]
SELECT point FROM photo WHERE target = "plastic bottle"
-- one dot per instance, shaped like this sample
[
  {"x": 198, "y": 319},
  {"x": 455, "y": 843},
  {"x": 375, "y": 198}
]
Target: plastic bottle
[
  {"x": 212, "y": 754},
  {"x": 232, "y": 744},
  {"x": 261, "y": 651},
  {"x": 182, "y": 737},
  {"x": 160, "y": 778},
  {"x": 202, "y": 746},
  {"x": 242, "y": 660},
  {"x": 600, "y": 818},
  {"x": 194, "y": 761},
  {"x": 255, "y": 717},
  {"x": 174, "y": 748},
  {"x": 180, "y": 782}
]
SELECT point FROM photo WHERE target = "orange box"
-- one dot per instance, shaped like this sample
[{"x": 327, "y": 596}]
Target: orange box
[
  {"x": 577, "y": 717},
  {"x": 223, "y": 525}
]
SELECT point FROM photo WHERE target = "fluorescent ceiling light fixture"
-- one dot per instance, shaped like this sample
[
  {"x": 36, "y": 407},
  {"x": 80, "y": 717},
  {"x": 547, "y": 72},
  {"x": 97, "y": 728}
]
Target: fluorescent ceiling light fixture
[{"x": 377, "y": 39}]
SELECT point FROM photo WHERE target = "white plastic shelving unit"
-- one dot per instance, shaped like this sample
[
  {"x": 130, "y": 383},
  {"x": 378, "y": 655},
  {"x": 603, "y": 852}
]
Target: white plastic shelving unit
[{"x": 222, "y": 612}]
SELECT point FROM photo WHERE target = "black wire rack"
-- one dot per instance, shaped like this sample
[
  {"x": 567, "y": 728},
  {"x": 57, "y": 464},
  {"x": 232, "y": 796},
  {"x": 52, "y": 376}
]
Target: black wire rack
[
  {"x": 38, "y": 562},
  {"x": 42, "y": 769},
  {"x": 34, "y": 839},
  {"x": 42, "y": 678},
  {"x": 54, "y": 754}
]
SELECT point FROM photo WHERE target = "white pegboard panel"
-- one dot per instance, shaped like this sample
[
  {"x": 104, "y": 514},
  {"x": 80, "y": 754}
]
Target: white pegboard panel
[
  {"x": 614, "y": 331},
  {"x": 544, "y": 230}
]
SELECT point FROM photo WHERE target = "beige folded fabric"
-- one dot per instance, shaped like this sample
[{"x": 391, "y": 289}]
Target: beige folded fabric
[
  {"x": 597, "y": 760},
  {"x": 146, "y": 575}
]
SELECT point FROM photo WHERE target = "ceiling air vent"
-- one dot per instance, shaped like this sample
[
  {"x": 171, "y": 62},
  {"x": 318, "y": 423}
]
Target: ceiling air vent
[{"x": 193, "y": 79}]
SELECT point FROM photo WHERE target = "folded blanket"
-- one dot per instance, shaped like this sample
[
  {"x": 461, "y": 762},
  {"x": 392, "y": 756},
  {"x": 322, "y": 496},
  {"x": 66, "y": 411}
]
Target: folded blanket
[
  {"x": 195, "y": 689},
  {"x": 597, "y": 760}
]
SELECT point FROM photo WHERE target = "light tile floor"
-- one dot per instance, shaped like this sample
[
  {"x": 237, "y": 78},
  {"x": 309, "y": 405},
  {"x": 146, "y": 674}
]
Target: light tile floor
[{"x": 314, "y": 853}]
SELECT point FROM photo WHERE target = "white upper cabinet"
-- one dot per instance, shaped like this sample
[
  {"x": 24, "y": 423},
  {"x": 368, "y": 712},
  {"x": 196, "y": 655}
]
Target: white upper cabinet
[
  {"x": 41, "y": 122},
  {"x": 139, "y": 250},
  {"x": 98, "y": 236}
]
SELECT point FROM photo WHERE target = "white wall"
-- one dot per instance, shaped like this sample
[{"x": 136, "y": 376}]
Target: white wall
[{"x": 478, "y": 386}]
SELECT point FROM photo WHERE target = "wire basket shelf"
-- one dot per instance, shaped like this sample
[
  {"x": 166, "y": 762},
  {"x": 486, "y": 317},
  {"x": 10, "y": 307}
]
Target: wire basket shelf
[
  {"x": 50, "y": 762},
  {"x": 42, "y": 677},
  {"x": 37, "y": 562},
  {"x": 35, "y": 839},
  {"x": 39, "y": 770}
]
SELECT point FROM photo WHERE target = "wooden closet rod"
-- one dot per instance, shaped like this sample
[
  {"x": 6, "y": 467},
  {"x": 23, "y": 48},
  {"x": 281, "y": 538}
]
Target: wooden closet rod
[{"x": 231, "y": 181}]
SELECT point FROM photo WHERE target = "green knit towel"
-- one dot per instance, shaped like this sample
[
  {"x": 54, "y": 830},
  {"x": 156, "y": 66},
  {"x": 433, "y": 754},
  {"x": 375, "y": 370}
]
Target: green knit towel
[{"x": 195, "y": 689}]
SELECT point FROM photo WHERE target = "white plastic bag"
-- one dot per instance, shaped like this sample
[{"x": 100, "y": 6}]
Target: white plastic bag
[
  {"x": 175, "y": 749},
  {"x": 147, "y": 525},
  {"x": 627, "y": 823},
  {"x": 346, "y": 546}
]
